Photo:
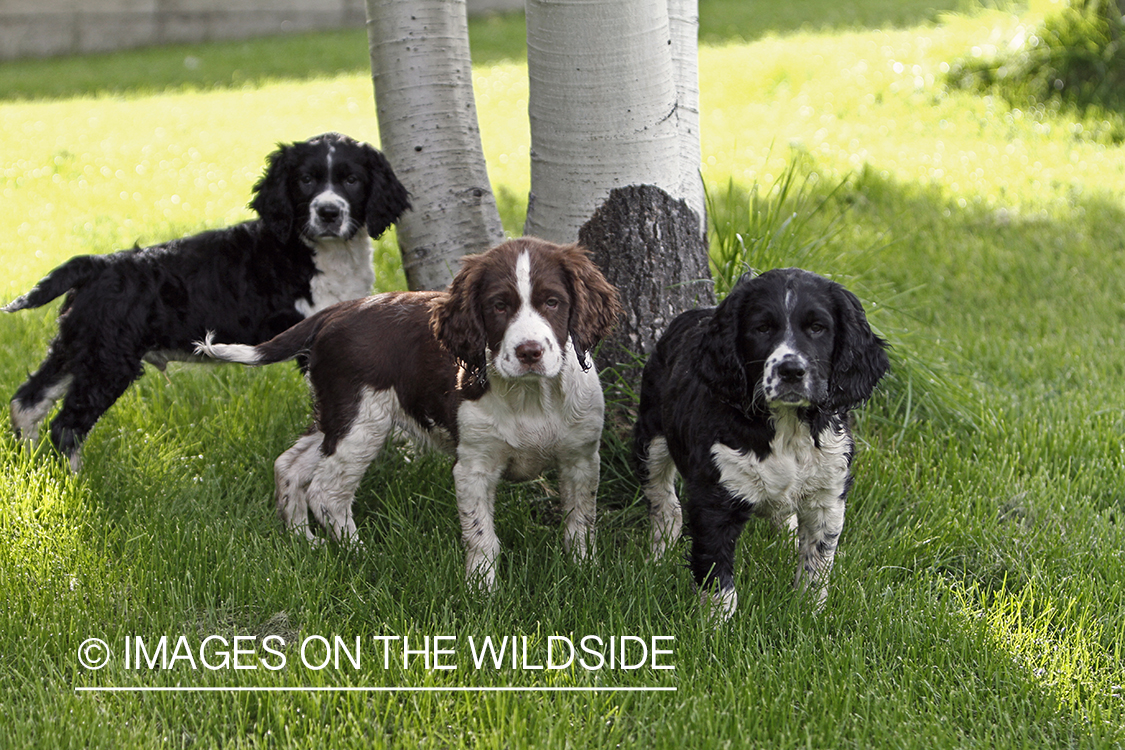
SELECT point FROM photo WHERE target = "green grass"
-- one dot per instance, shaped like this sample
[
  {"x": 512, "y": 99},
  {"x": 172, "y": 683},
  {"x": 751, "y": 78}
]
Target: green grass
[{"x": 978, "y": 601}]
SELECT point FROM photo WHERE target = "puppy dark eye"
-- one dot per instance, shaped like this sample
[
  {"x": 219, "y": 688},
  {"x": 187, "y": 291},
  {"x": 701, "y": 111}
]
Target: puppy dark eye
[
  {"x": 305, "y": 179},
  {"x": 552, "y": 303},
  {"x": 500, "y": 306},
  {"x": 817, "y": 328},
  {"x": 351, "y": 180},
  {"x": 764, "y": 328}
]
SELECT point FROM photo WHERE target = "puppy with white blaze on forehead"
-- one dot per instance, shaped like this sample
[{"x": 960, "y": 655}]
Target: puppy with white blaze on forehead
[
  {"x": 750, "y": 401},
  {"x": 496, "y": 370}
]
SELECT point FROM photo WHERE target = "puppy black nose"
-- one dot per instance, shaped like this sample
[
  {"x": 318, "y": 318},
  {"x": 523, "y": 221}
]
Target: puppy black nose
[
  {"x": 529, "y": 352},
  {"x": 791, "y": 371},
  {"x": 328, "y": 212}
]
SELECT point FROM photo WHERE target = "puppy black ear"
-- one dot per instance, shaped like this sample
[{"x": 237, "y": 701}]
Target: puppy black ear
[
  {"x": 271, "y": 194},
  {"x": 594, "y": 307},
  {"x": 387, "y": 198},
  {"x": 456, "y": 322},
  {"x": 859, "y": 358},
  {"x": 720, "y": 365}
]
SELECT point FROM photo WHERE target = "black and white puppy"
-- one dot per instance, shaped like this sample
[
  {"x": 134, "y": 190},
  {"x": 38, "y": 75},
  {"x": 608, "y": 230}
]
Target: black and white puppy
[
  {"x": 320, "y": 202},
  {"x": 495, "y": 370},
  {"x": 750, "y": 401}
]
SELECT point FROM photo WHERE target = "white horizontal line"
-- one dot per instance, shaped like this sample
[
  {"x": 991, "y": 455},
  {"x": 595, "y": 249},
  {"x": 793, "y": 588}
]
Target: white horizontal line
[{"x": 299, "y": 689}]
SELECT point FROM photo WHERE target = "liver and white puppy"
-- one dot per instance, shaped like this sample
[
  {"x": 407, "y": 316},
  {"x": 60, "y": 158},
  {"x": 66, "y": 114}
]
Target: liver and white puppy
[
  {"x": 495, "y": 370},
  {"x": 750, "y": 401},
  {"x": 320, "y": 202}
]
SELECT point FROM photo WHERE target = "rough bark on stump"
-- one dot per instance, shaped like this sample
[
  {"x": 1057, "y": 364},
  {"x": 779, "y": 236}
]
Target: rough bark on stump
[{"x": 650, "y": 246}]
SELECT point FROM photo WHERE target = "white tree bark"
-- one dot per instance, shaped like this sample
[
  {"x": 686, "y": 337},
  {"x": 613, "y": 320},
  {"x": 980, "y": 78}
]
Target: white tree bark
[
  {"x": 428, "y": 129},
  {"x": 683, "y": 18},
  {"x": 603, "y": 108}
]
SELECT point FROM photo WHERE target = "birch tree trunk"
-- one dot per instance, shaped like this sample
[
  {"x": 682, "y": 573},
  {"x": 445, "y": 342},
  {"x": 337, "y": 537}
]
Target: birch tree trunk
[
  {"x": 615, "y": 155},
  {"x": 683, "y": 21},
  {"x": 602, "y": 105},
  {"x": 649, "y": 245},
  {"x": 428, "y": 129}
]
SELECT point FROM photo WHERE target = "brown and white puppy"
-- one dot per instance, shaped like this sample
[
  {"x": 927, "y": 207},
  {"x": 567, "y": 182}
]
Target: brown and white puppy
[{"x": 495, "y": 370}]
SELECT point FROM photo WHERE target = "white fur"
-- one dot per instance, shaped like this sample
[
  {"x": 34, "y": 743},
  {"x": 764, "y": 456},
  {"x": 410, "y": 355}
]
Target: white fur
[
  {"x": 660, "y": 489},
  {"x": 344, "y": 272},
  {"x": 719, "y": 603},
  {"x": 517, "y": 429},
  {"x": 243, "y": 354},
  {"x": 771, "y": 384},
  {"x": 307, "y": 480},
  {"x": 292, "y": 472},
  {"x": 797, "y": 479},
  {"x": 528, "y": 326},
  {"x": 26, "y": 421}
]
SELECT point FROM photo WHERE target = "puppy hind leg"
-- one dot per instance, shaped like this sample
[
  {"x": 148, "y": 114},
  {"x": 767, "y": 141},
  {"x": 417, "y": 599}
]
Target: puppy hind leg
[
  {"x": 660, "y": 490},
  {"x": 35, "y": 398},
  {"x": 92, "y": 391},
  {"x": 337, "y": 475},
  {"x": 293, "y": 472}
]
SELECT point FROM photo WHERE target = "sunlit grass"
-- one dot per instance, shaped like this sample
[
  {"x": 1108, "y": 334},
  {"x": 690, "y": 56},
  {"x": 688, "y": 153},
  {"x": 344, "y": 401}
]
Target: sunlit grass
[{"x": 1061, "y": 642}]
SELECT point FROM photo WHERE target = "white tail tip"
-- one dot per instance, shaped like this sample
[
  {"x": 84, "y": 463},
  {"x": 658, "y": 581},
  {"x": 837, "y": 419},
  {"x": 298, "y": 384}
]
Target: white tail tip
[{"x": 238, "y": 353}]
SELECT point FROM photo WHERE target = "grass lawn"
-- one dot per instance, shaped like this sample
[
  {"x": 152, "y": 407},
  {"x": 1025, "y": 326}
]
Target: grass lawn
[{"x": 979, "y": 599}]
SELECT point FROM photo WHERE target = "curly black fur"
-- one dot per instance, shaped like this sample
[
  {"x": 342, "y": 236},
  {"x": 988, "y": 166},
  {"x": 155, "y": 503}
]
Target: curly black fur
[{"x": 245, "y": 284}]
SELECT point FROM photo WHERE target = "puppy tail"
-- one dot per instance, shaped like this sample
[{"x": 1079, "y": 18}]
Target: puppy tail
[
  {"x": 74, "y": 273},
  {"x": 289, "y": 344},
  {"x": 239, "y": 353}
]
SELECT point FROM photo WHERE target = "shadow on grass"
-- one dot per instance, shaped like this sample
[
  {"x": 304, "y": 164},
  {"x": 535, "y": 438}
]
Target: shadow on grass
[
  {"x": 943, "y": 507},
  {"x": 494, "y": 38},
  {"x": 229, "y": 65}
]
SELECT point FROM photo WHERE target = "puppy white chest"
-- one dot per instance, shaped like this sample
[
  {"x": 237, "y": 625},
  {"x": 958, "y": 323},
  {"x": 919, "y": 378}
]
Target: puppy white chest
[
  {"x": 344, "y": 272},
  {"x": 795, "y": 469},
  {"x": 528, "y": 425}
]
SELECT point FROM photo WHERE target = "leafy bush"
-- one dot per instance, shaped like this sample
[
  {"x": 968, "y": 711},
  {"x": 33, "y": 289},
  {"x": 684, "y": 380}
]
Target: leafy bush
[{"x": 1074, "y": 55}]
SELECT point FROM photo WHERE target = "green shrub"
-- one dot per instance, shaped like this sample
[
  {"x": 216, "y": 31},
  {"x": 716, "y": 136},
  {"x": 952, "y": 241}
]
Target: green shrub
[{"x": 1074, "y": 55}]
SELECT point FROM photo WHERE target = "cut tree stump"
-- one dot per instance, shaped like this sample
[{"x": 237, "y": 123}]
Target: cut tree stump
[{"x": 650, "y": 246}]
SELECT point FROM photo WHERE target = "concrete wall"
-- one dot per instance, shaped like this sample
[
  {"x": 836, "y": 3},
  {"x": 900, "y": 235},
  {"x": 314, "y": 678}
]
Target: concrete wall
[{"x": 43, "y": 28}]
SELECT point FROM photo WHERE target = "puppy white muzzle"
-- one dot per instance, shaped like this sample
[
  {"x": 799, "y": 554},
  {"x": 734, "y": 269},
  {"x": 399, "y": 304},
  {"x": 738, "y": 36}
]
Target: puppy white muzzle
[
  {"x": 329, "y": 216},
  {"x": 786, "y": 378}
]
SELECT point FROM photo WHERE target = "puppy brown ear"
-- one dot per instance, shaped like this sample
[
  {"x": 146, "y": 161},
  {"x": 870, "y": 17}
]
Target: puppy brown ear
[
  {"x": 456, "y": 322},
  {"x": 271, "y": 193},
  {"x": 594, "y": 307},
  {"x": 387, "y": 199},
  {"x": 859, "y": 358}
]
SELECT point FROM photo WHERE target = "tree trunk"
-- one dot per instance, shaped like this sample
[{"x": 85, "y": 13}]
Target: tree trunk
[
  {"x": 649, "y": 245},
  {"x": 428, "y": 129},
  {"x": 614, "y": 106},
  {"x": 683, "y": 19},
  {"x": 602, "y": 107}
]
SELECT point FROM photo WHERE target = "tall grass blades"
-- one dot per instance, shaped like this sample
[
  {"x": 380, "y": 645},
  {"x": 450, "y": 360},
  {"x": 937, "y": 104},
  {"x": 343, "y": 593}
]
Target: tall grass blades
[
  {"x": 791, "y": 222},
  {"x": 799, "y": 220},
  {"x": 1060, "y": 642}
]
